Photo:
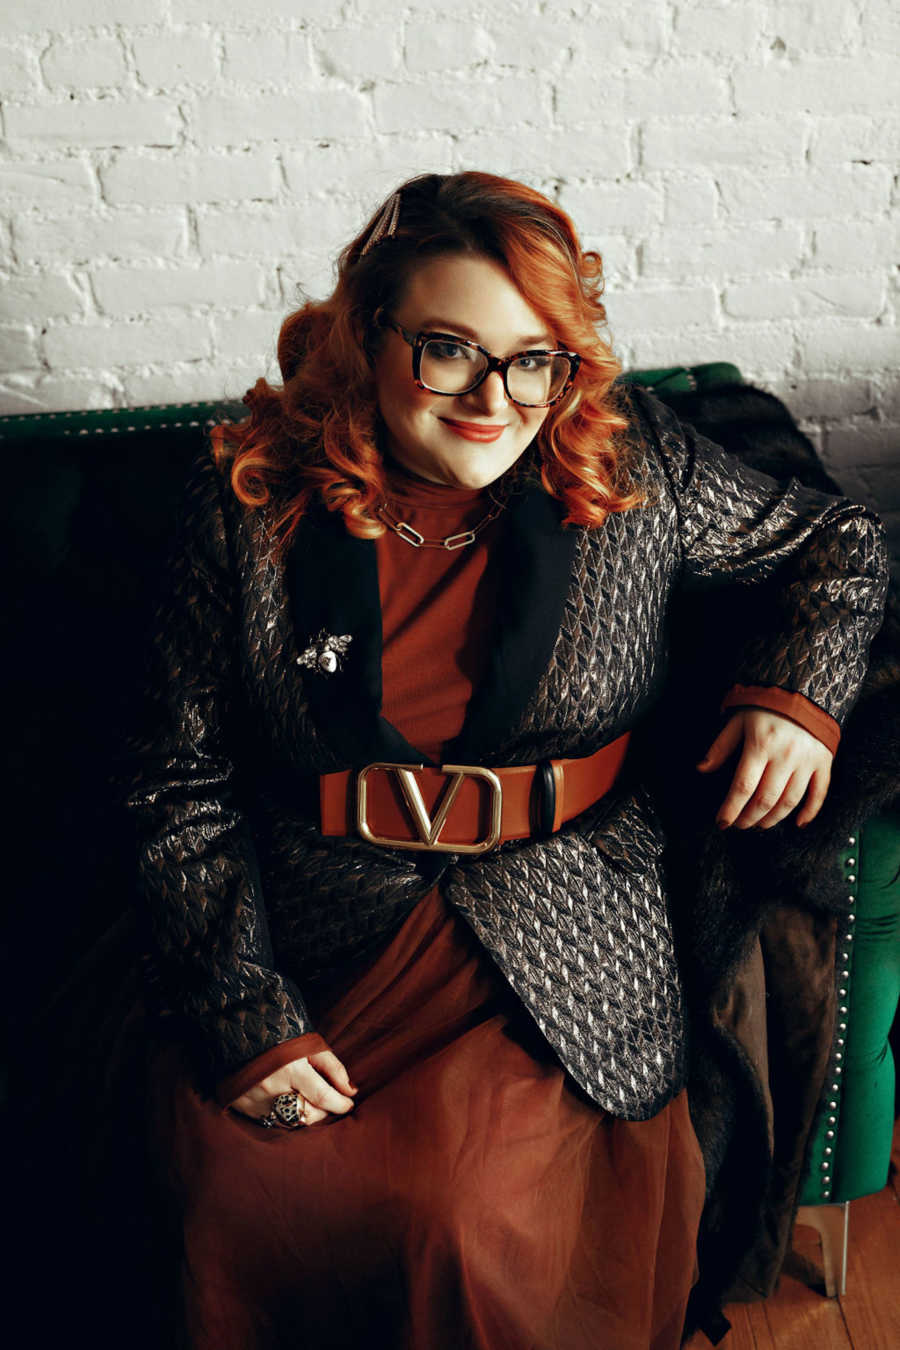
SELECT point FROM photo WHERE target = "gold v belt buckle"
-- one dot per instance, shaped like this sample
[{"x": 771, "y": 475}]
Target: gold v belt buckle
[{"x": 428, "y": 830}]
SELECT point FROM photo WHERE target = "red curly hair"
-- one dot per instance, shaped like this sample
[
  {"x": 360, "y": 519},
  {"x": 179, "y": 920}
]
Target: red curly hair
[{"x": 318, "y": 433}]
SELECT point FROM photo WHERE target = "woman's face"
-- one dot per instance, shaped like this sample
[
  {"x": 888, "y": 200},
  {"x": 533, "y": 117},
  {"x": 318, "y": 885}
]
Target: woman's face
[{"x": 432, "y": 434}]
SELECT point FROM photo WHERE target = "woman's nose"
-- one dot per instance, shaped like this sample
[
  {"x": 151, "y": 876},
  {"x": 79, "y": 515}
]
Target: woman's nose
[{"x": 490, "y": 396}]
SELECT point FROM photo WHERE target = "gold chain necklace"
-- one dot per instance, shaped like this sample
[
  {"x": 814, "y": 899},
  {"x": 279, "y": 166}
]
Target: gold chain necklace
[{"x": 452, "y": 541}]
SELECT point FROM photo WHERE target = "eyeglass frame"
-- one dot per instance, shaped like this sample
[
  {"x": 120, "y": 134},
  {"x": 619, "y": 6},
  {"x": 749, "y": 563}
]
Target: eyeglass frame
[{"x": 499, "y": 363}]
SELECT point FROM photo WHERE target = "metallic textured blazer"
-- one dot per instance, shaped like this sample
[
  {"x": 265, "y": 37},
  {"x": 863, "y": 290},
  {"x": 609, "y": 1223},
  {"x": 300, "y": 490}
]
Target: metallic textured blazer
[{"x": 243, "y": 901}]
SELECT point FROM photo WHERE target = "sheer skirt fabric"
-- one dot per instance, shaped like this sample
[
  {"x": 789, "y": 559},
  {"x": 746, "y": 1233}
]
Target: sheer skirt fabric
[{"x": 474, "y": 1197}]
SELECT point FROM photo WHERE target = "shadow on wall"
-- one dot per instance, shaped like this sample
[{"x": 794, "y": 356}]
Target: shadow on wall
[{"x": 854, "y": 423}]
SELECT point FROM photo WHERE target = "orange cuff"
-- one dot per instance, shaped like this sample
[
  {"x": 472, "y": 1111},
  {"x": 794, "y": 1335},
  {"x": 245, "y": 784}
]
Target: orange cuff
[
  {"x": 797, "y": 707},
  {"x": 236, "y": 1084}
]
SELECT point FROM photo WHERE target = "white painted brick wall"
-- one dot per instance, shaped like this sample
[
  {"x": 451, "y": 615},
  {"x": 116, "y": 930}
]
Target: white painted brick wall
[
  {"x": 64, "y": 124},
  {"x": 175, "y": 176},
  {"x": 95, "y": 63},
  {"x": 165, "y": 61},
  {"x": 81, "y": 238},
  {"x": 45, "y": 185},
  {"x": 192, "y": 178},
  {"x": 143, "y": 290},
  {"x": 19, "y": 74}
]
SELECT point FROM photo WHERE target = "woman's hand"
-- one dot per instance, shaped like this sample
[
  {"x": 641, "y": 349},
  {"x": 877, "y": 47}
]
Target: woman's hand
[
  {"x": 320, "y": 1078},
  {"x": 781, "y": 763}
]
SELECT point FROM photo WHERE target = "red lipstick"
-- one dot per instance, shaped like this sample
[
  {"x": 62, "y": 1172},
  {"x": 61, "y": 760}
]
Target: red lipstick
[{"x": 476, "y": 431}]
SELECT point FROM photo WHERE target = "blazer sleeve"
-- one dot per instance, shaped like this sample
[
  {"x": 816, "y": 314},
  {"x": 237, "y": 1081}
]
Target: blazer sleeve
[
  {"x": 209, "y": 958},
  {"x": 825, "y": 556}
]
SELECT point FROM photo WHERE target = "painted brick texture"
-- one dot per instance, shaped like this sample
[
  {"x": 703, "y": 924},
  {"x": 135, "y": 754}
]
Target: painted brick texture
[{"x": 174, "y": 177}]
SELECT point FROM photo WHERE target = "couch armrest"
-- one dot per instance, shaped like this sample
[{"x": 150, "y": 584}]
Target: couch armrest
[{"x": 851, "y": 1147}]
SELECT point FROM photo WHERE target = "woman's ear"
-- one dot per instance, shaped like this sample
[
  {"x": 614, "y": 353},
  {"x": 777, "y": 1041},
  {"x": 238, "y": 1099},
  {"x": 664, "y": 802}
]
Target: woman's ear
[{"x": 372, "y": 336}]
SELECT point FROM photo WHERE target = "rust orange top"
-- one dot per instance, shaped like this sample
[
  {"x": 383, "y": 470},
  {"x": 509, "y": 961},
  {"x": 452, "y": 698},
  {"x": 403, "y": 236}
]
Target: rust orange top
[{"x": 437, "y": 609}]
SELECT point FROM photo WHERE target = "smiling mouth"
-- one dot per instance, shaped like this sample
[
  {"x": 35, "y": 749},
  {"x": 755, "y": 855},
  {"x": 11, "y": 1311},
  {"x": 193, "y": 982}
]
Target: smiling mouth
[
  {"x": 475, "y": 426},
  {"x": 480, "y": 431}
]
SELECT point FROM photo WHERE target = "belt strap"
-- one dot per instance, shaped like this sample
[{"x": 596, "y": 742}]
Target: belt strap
[{"x": 464, "y": 808}]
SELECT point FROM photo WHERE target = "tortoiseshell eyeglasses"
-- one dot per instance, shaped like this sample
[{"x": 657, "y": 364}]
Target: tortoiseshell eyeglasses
[{"x": 446, "y": 364}]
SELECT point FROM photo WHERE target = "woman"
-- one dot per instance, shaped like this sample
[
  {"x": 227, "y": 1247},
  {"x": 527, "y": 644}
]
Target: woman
[{"x": 424, "y": 1081}]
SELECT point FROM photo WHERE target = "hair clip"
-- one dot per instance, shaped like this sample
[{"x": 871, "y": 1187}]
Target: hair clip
[{"x": 385, "y": 225}]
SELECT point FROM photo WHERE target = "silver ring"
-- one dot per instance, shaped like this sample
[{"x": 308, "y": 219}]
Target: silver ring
[{"x": 288, "y": 1112}]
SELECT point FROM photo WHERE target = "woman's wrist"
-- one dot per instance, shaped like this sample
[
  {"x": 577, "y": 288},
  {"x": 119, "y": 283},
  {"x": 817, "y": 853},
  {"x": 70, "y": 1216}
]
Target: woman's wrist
[{"x": 797, "y": 707}]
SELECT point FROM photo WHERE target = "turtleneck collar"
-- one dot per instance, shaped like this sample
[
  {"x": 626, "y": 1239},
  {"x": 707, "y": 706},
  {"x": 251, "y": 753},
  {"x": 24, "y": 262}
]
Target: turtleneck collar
[{"x": 409, "y": 488}]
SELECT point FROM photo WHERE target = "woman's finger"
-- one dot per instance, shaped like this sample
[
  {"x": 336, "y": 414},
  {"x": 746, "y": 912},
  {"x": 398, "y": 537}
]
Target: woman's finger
[
  {"x": 792, "y": 796},
  {"x": 318, "y": 1091},
  {"x": 330, "y": 1067},
  {"x": 305, "y": 1076},
  {"x": 816, "y": 794},
  {"x": 727, "y": 741},
  {"x": 750, "y": 769},
  {"x": 767, "y": 798},
  {"x": 255, "y": 1103}
]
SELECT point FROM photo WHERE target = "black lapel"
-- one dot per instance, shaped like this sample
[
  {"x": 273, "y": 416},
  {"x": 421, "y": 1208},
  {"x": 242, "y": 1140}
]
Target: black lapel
[
  {"x": 536, "y": 559},
  {"x": 332, "y": 581}
]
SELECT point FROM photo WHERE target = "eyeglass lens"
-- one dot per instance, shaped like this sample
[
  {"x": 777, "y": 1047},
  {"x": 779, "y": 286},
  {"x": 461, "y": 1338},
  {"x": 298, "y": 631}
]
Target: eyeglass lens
[{"x": 449, "y": 368}]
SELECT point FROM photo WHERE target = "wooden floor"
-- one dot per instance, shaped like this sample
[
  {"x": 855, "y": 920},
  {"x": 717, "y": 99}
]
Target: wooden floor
[{"x": 867, "y": 1317}]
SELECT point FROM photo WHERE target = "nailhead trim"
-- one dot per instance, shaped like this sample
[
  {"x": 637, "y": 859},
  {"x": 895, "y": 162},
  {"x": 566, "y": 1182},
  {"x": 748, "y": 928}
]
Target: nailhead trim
[
  {"x": 843, "y": 964},
  {"x": 182, "y": 415}
]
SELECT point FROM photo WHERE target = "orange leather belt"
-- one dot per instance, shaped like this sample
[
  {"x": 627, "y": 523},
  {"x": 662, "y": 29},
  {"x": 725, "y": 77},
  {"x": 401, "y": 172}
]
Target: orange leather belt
[{"x": 463, "y": 808}]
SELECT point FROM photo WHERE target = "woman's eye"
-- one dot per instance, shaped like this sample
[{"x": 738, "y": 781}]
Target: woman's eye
[
  {"x": 534, "y": 361},
  {"x": 447, "y": 351}
]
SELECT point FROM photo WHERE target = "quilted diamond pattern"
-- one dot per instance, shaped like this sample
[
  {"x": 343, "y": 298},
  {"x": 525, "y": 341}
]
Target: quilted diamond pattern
[{"x": 591, "y": 953}]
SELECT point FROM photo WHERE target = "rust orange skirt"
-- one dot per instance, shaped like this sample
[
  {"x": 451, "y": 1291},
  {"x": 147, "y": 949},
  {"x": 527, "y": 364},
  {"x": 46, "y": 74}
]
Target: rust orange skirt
[{"x": 473, "y": 1200}]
